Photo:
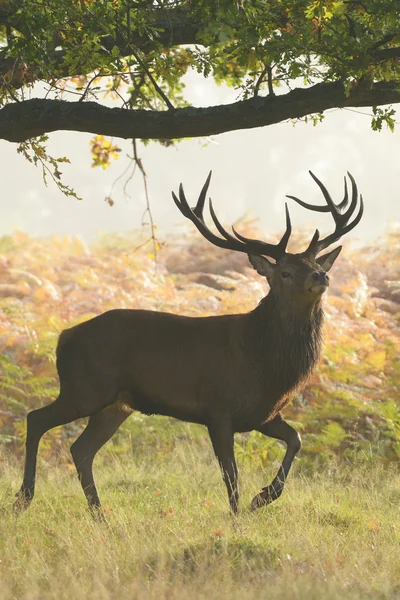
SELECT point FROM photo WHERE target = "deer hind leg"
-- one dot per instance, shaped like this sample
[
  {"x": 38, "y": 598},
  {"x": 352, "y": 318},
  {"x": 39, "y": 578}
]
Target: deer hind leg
[
  {"x": 38, "y": 422},
  {"x": 100, "y": 429},
  {"x": 222, "y": 439},
  {"x": 278, "y": 428}
]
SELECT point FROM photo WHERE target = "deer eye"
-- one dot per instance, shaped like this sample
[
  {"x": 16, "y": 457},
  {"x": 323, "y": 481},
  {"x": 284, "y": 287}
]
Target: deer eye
[{"x": 285, "y": 275}]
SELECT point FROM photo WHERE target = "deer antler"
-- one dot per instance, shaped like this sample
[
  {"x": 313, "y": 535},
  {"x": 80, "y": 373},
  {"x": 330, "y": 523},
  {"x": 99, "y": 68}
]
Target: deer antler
[
  {"x": 228, "y": 241},
  {"x": 341, "y": 214}
]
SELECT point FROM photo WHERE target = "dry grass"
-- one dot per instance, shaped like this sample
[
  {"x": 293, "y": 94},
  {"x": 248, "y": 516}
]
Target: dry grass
[{"x": 333, "y": 535}]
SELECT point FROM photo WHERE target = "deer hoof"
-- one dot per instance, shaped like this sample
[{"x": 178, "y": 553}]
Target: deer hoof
[
  {"x": 266, "y": 496},
  {"x": 259, "y": 501},
  {"x": 98, "y": 515},
  {"x": 22, "y": 502}
]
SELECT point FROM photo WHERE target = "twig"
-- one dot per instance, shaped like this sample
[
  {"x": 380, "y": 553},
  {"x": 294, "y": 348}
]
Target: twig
[
  {"x": 144, "y": 67},
  {"x": 126, "y": 195},
  {"x": 259, "y": 82},
  {"x": 266, "y": 71},
  {"x": 125, "y": 103},
  {"x": 153, "y": 81},
  {"x": 138, "y": 162},
  {"x": 136, "y": 87},
  {"x": 4, "y": 83},
  {"x": 270, "y": 86},
  {"x": 141, "y": 246},
  {"x": 86, "y": 90},
  {"x": 109, "y": 196}
]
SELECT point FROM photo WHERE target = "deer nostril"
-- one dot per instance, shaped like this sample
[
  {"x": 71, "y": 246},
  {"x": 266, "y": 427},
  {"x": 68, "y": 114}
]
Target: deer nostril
[{"x": 316, "y": 276}]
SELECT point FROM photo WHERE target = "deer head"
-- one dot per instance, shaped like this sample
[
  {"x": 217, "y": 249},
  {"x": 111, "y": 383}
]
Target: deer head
[{"x": 300, "y": 278}]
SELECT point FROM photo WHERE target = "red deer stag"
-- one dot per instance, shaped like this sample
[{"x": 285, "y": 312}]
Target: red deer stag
[{"x": 231, "y": 373}]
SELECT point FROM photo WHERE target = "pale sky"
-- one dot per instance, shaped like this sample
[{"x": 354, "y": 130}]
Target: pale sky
[{"x": 252, "y": 171}]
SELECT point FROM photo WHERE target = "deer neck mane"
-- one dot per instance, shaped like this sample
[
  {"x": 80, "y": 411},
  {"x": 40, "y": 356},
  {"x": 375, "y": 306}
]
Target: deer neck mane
[
  {"x": 288, "y": 341},
  {"x": 289, "y": 320}
]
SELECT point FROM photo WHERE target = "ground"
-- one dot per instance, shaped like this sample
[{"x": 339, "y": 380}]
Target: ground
[{"x": 333, "y": 534}]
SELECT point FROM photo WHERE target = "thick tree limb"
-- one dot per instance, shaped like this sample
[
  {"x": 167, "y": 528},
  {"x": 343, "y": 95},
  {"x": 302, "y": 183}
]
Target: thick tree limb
[
  {"x": 386, "y": 53},
  {"x": 23, "y": 120}
]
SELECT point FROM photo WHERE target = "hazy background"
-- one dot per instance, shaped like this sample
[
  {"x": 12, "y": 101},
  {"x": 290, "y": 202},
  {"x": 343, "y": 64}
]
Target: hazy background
[{"x": 252, "y": 171}]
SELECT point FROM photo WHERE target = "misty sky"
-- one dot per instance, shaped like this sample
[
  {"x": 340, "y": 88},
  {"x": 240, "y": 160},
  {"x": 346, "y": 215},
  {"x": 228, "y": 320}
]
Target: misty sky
[{"x": 252, "y": 171}]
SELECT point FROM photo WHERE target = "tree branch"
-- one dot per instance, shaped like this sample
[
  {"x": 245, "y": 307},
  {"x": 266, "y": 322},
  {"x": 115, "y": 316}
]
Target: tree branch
[
  {"x": 386, "y": 53},
  {"x": 176, "y": 28},
  {"x": 153, "y": 81},
  {"x": 260, "y": 80},
  {"x": 172, "y": 26},
  {"x": 24, "y": 120}
]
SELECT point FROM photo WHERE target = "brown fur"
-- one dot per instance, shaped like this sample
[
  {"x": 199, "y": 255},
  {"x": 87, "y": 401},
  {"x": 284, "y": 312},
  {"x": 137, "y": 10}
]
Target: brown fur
[
  {"x": 231, "y": 373},
  {"x": 235, "y": 370}
]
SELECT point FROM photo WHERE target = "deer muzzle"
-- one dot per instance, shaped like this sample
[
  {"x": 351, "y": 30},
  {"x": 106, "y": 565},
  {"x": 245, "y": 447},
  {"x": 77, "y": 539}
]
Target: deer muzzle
[{"x": 318, "y": 283}]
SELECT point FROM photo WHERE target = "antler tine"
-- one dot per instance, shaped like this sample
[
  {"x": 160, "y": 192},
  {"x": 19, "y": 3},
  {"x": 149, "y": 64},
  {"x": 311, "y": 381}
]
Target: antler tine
[
  {"x": 221, "y": 230},
  {"x": 340, "y": 231},
  {"x": 354, "y": 198},
  {"x": 198, "y": 210},
  {"x": 345, "y": 200},
  {"x": 285, "y": 238},
  {"x": 277, "y": 249},
  {"x": 183, "y": 204},
  {"x": 322, "y": 208},
  {"x": 313, "y": 247},
  {"x": 341, "y": 214},
  {"x": 196, "y": 216},
  {"x": 316, "y": 207},
  {"x": 335, "y": 209},
  {"x": 340, "y": 218},
  {"x": 331, "y": 205},
  {"x": 240, "y": 242}
]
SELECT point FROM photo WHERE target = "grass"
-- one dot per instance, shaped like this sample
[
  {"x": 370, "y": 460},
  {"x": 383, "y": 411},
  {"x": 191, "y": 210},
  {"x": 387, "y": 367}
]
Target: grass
[{"x": 333, "y": 534}]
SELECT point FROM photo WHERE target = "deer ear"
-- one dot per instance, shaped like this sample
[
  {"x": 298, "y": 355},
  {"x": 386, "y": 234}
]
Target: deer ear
[
  {"x": 326, "y": 260},
  {"x": 262, "y": 266}
]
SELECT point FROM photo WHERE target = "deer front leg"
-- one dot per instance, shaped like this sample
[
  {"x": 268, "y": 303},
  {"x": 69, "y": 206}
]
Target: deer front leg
[
  {"x": 280, "y": 430},
  {"x": 222, "y": 439}
]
